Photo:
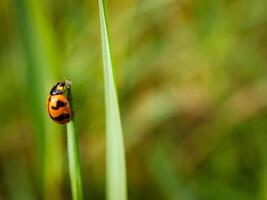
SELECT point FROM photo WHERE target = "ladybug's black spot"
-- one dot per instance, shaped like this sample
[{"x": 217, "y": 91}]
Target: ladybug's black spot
[
  {"x": 49, "y": 99},
  {"x": 61, "y": 117},
  {"x": 59, "y": 105}
]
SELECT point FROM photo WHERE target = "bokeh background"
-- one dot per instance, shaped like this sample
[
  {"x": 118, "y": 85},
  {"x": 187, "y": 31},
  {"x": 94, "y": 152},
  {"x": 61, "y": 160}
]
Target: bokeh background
[{"x": 192, "y": 86}]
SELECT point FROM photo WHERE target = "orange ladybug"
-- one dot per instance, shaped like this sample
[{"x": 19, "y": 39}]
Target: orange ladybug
[{"x": 58, "y": 105}]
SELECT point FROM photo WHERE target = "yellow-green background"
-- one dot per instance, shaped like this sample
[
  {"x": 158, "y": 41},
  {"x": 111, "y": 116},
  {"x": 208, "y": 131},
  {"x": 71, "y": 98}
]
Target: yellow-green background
[{"x": 192, "y": 86}]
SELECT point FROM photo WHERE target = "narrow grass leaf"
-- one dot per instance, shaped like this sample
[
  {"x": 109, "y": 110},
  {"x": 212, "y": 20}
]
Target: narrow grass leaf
[
  {"x": 38, "y": 47},
  {"x": 74, "y": 160},
  {"x": 116, "y": 186}
]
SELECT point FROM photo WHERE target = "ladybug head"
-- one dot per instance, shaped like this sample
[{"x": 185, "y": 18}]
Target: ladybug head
[{"x": 58, "y": 88}]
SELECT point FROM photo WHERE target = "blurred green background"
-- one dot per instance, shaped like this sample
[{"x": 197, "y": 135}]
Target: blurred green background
[{"x": 192, "y": 84}]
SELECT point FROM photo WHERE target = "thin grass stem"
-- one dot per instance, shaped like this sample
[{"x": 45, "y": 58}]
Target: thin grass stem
[{"x": 74, "y": 159}]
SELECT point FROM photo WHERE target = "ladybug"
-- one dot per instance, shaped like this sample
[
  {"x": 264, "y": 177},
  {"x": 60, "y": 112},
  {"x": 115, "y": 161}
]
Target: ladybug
[{"x": 58, "y": 105}]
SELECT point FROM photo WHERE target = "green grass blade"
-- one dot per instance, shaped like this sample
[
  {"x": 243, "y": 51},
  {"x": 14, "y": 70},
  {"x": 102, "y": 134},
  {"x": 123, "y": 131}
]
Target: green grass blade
[
  {"x": 38, "y": 47},
  {"x": 74, "y": 160},
  {"x": 116, "y": 187}
]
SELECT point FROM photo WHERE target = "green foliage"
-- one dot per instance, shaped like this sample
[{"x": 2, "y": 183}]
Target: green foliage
[
  {"x": 73, "y": 156},
  {"x": 115, "y": 161},
  {"x": 191, "y": 77},
  {"x": 74, "y": 162},
  {"x": 38, "y": 50}
]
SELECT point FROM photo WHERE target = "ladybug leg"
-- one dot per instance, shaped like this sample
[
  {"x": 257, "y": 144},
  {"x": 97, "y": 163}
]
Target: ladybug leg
[
  {"x": 73, "y": 112},
  {"x": 69, "y": 98}
]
